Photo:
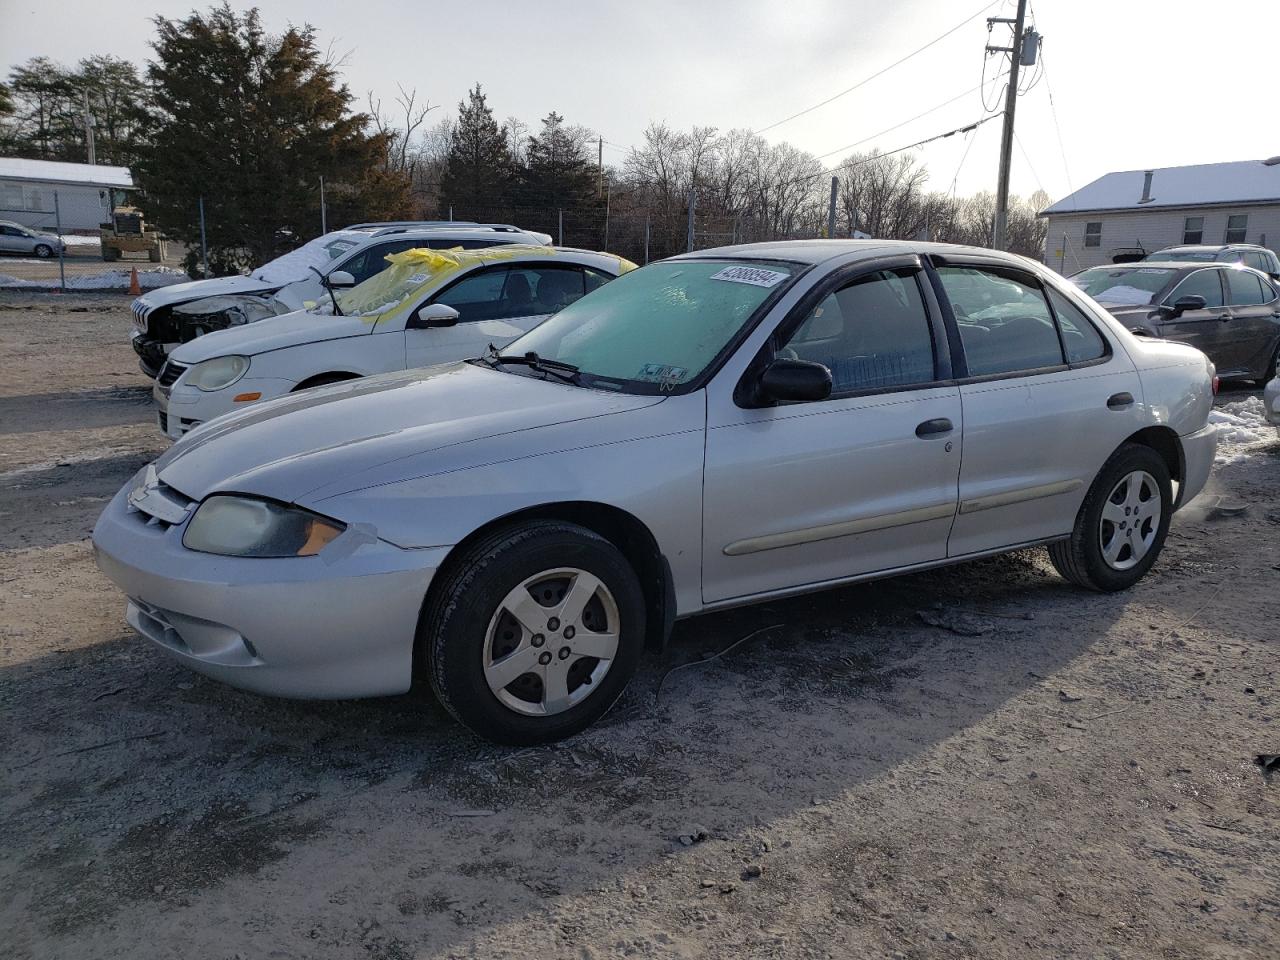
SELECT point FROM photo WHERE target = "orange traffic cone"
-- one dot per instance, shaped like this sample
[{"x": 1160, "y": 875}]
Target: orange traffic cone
[{"x": 135, "y": 288}]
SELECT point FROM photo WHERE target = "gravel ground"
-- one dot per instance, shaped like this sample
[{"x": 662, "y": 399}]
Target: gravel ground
[{"x": 977, "y": 762}]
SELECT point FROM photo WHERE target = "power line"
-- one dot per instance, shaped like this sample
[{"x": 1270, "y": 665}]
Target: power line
[
  {"x": 879, "y": 73},
  {"x": 1053, "y": 111},
  {"x": 875, "y": 136},
  {"x": 1030, "y": 165},
  {"x": 888, "y": 153}
]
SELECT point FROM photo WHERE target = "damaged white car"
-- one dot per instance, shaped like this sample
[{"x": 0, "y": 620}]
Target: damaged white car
[{"x": 168, "y": 316}]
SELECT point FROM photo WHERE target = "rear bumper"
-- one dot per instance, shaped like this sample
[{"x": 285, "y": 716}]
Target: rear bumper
[
  {"x": 1271, "y": 402},
  {"x": 1198, "y": 451},
  {"x": 296, "y": 627}
]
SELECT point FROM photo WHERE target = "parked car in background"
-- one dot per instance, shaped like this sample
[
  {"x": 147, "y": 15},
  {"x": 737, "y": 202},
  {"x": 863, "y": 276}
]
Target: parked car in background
[
  {"x": 428, "y": 307},
  {"x": 1251, "y": 255},
  {"x": 1229, "y": 311},
  {"x": 170, "y": 315},
  {"x": 15, "y": 238},
  {"x": 725, "y": 427}
]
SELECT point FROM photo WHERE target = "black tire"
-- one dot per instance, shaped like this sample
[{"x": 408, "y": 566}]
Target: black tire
[
  {"x": 43, "y": 251},
  {"x": 453, "y": 628},
  {"x": 1270, "y": 373},
  {"x": 1079, "y": 558}
]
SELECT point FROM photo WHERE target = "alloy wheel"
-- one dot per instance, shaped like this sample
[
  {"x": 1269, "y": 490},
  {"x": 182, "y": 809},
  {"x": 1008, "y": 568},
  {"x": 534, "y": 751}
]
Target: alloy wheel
[
  {"x": 551, "y": 641},
  {"x": 1130, "y": 520}
]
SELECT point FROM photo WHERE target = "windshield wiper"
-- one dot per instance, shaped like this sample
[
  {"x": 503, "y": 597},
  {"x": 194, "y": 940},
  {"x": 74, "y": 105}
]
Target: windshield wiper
[
  {"x": 332, "y": 296},
  {"x": 557, "y": 368}
]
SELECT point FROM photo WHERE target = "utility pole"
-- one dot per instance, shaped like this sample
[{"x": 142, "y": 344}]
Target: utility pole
[
  {"x": 831, "y": 209},
  {"x": 693, "y": 203},
  {"x": 999, "y": 237},
  {"x": 89, "y": 123},
  {"x": 600, "y": 171},
  {"x": 324, "y": 211}
]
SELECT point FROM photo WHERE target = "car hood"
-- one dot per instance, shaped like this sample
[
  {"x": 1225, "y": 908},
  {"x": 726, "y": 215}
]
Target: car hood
[
  {"x": 320, "y": 438},
  {"x": 271, "y": 333},
  {"x": 198, "y": 289}
]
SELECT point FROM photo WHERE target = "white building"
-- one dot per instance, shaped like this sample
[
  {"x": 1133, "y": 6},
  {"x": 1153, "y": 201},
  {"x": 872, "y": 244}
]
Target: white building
[
  {"x": 84, "y": 193},
  {"x": 1145, "y": 210}
]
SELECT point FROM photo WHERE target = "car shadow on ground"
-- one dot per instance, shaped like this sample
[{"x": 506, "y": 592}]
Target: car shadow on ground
[
  {"x": 78, "y": 409},
  {"x": 167, "y": 784}
]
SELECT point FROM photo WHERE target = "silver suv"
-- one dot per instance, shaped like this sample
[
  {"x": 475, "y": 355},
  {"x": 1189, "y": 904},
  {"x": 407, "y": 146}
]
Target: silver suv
[{"x": 1251, "y": 255}]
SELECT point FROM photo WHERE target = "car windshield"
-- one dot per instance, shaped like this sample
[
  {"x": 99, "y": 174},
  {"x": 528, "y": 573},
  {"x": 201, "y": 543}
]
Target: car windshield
[
  {"x": 1123, "y": 286},
  {"x": 296, "y": 264},
  {"x": 1207, "y": 256},
  {"x": 657, "y": 328}
]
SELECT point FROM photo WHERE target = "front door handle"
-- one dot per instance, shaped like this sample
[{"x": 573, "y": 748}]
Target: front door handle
[
  {"x": 931, "y": 428},
  {"x": 1118, "y": 401}
]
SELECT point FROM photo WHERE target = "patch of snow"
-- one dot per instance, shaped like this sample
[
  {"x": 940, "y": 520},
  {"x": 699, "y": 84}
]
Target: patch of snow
[
  {"x": 108, "y": 280},
  {"x": 1241, "y": 426},
  {"x": 75, "y": 240},
  {"x": 1122, "y": 295}
]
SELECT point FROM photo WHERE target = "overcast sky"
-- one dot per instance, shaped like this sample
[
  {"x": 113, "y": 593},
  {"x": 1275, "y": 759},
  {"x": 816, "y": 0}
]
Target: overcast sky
[{"x": 1136, "y": 83}]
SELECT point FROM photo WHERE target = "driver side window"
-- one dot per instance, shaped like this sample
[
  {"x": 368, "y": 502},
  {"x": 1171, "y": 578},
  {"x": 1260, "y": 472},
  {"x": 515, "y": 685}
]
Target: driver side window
[
  {"x": 872, "y": 334},
  {"x": 1202, "y": 283}
]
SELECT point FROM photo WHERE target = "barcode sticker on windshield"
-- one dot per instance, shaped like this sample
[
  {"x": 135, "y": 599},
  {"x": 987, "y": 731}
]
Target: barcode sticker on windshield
[
  {"x": 752, "y": 275},
  {"x": 418, "y": 278},
  {"x": 1151, "y": 270}
]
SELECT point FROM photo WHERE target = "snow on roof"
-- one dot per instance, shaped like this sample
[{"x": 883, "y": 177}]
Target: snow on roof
[
  {"x": 1238, "y": 182},
  {"x": 50, "y": 171}
]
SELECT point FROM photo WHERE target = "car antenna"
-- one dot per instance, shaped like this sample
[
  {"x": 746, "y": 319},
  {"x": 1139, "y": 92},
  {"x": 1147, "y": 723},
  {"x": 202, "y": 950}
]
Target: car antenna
[{"x": 332, "y": 296}]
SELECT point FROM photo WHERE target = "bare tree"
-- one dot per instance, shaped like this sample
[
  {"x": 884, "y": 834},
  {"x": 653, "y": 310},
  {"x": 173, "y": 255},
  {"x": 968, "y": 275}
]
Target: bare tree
[{"x": 400, "y": 149}]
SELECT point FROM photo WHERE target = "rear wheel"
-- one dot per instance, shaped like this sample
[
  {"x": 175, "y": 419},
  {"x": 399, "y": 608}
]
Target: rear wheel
[
  {"x": 1271, "y": 368},
  {"x": 1122, "y": 524},
  {"x": 535, "y": 632}
]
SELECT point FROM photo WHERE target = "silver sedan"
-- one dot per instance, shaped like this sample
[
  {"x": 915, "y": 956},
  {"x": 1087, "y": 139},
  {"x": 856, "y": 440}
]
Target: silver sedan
[{"x": 717, "y": 429}]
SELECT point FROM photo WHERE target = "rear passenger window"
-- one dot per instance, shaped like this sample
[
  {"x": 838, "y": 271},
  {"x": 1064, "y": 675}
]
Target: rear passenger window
[
  {"x": 1004, "y": 320},
  {"x": 1080, "y": 337},
  {"x": 1246, "y": 289},
  {"x": 871, "y": 334}
]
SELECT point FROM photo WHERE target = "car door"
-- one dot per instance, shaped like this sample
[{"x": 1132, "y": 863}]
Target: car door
[
  {"x": 12, "y": 240},
  {"x": 1046, "y": 398},
  {"x": 495, "y": 305},
  {"x": 863, "y": 481},
  {"x": 1203, "y": 329},
  {"x": 1248, "y": 339}
]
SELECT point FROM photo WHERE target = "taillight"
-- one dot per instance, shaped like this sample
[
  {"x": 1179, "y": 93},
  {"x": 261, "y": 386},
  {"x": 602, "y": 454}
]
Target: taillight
[{"x": 1216, "y": 382}]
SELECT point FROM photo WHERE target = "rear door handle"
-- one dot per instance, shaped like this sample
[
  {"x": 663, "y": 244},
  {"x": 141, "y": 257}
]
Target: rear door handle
[
  {"x": 1118, "y": 401},
  {"x": 932, "y": 428}
]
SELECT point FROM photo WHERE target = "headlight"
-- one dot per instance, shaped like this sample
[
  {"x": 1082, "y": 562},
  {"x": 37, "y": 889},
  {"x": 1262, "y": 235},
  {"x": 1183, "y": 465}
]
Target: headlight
[
  {"x": 217, "y": 373},
  {"x": 244, "y": 527}
]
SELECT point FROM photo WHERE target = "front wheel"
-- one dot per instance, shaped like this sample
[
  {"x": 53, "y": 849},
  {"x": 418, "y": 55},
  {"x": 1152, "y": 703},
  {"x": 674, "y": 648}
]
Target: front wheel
[
  {"x": 535, "y": 632},
  {"x": 1122, "y": 524},
  {"x": 43, "y": 251}
]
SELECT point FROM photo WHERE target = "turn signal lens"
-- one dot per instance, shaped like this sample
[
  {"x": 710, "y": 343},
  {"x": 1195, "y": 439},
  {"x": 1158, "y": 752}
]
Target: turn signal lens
[
  {"x": 246, "y": 397},
  {"x": 1216, "y": 384}
]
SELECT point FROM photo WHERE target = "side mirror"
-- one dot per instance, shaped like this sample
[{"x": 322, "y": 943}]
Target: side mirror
[
  {"x": 433, "y": 315},
  {"x": 339, "y": 280},
  {"x": 795, "y": 380},
  {"x": 1191, "y": 301}
]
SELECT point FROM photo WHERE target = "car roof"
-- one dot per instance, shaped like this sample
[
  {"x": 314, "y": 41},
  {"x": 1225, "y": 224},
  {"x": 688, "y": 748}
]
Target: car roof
[
  {"x": 1212, "y": 246},
  {"x": 819, "y": 251}
]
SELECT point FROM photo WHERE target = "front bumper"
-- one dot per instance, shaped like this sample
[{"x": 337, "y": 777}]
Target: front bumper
[
  {"x": 181, "y": 408},
  {"x": 151, "y": 353},
  {"x": 1198, "y": 451},
  {"x": 296, "y": 627}
]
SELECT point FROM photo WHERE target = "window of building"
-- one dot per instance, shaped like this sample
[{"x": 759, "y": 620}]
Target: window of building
[
  {"x": 1193, "y": 230},
  {"x": 1093, "y": 234},
  {"x": 1237, "y": 227}
]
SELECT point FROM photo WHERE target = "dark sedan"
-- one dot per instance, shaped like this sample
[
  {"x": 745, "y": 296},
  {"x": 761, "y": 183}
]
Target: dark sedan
[{"x": 1229, "y": 311}]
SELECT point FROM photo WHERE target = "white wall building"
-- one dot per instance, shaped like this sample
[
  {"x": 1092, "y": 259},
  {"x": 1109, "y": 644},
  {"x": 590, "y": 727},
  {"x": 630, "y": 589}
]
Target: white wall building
[
  {"x": 1146, "y": 210},
  {"x": 84, "y": 193}
]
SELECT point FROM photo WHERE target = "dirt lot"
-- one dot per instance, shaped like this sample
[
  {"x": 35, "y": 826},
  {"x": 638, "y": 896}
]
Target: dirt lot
[{"x": 978, "y": 762}]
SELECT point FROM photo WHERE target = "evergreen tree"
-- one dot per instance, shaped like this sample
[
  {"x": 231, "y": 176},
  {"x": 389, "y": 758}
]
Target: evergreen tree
[
  {"x": 251, "y": 122},
  {"x": 44, "y": 127},
  {"x": 478, "y": 169},
  {"x": 558, "y": 173}
]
